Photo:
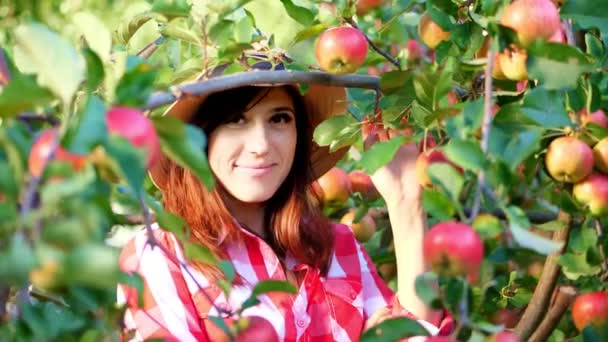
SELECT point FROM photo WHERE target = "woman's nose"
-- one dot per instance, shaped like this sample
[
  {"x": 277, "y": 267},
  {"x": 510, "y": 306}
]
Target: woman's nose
[{"x": 258, "y": 139}]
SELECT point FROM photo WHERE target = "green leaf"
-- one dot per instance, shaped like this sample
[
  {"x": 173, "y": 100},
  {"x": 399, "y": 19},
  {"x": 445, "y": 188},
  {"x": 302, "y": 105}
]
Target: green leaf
[
  {"x": 57, "y": 64},
  {"x": 582, "y": 239},
  {"x": 426, "y": 288},
  {"x": 466, "y": 154},
  {"x": 128, "y": 28},
  {"x": 16, "y": 260},
  {"x": 136, "y": 85},
  {"x": 594, "y": 46},
  {"x": 394, "y": 329},
  {"x": 587, "y": 14},
  {"x": 172, "y": 8},
  {"x": 397, "y": 82},
  {"x": 130, "y": 160},
  {"x": 185, "y": 144},
  {"x": 328, "y": 130},
  {"x": 198, "y": 252},
  {"x": 545, "y": 58},
  {"x": 273, "y": 286},
  {"x": 308, "y": 32},
  {"x": 300, "y": 14},
  {"x": 448, "y": 177},
  {"x": 179, "y": 29},
  {"x": 514, "y": 145},
  {"x": 95, "y": 32},
  {"x": 228, "y": 269},
  {"x": 380, "y": 154},
  {"x": 89, "y": 129},
  {"x": 546, "y": 108},
  {"x": 422, "y": 116},
  {"x": 95, "y": 70},
  {"x": 438, "y": 205},
  {"x": 22, "y": 94},
  {"x": 575, "y": 265},
  {"x": 519, "y": 224},
  {"x": 219, "y": 322}
]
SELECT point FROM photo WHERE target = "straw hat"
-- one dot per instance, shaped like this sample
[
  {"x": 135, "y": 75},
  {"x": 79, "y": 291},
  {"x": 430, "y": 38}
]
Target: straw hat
[{"x": 320, "y": 101}]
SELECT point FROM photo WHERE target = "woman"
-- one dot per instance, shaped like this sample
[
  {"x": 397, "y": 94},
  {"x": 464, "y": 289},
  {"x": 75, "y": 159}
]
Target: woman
[{"x": 261, "y": 217}]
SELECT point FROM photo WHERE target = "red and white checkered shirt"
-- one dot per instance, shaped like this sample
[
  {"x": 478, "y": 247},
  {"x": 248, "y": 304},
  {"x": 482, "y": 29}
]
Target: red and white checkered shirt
[{"x": 331, "y": 308}]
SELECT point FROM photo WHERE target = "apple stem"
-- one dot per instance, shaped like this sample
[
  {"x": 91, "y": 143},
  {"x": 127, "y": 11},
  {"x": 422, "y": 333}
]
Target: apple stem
[
  {"x": 565, "y": 296},
  {"x": 374, "y": 47},
  {"x": 541, "y": 297},
  {"x": 485, "y": 131},
  {"x": 154, "y": 243},
  {"x": 277, "y": 77}
]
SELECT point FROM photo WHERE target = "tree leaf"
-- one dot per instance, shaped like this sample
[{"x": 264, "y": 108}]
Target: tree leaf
[
  {"x": 95, "y": 70},
  {"x": 518, "y": 224},
  {"x": 273, "y": 286},
  {"x": 380, "y": 154},
  {"x": 130, "y": 160},
  {"x": 198, "y": 252},
  {"x": 22, "y": 94},
  {"x": 545, "y": 58},
  {"x": 466, "y": 154},
  {"x": 96, "y": 34},
  {"x": 328, "y": 130},
  {"x": 438, "y": 205},
  {"x": 425, "y": 289},
  {"x": 89, "y": 128},
  {"x": 546, "y": 108},
  {"x": 57, "y": 64},
  {"x": 300, "y": 14},
  {"x": 575, "y": 265},
  {"x": 587, "y": 14},
  {"x": 448, "y": 177},
  {"x": 514, "y": 144},
  {"x": 186, "y": 145},
  {"x": 394, "y": 329}
]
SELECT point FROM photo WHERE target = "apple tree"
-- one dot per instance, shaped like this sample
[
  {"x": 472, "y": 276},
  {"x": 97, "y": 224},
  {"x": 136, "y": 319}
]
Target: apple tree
[{"x": 505, "y": 100}]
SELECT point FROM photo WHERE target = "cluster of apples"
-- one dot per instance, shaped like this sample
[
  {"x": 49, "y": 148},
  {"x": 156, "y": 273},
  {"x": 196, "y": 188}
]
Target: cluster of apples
[
  {"x": 572, "y": 160},
  {"x": 336, "y": 186},
  {"x": 531, "y": 20},
  {"x": 129, "y": 123}
]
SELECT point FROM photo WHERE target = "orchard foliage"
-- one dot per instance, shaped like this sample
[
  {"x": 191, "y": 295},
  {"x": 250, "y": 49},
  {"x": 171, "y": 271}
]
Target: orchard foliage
[{"x": 509, "y": 118}]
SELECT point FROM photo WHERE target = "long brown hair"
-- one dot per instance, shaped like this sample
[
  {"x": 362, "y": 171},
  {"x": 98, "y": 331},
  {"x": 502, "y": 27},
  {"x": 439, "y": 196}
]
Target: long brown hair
[{"x": 293, "y": 223}]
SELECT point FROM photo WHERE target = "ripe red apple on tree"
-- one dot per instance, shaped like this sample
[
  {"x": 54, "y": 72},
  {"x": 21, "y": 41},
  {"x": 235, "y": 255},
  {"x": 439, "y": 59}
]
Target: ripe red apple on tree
[
  {"x": 133, "y": 125},
  {"x": 512, "y": 63},
  {"x": 497, "y": 71},
  {"x": 598, "y": 117},
  {"x": 364, "y": 229},
  {"x": 430, "y": 33},
  {"x": 423, "y": 162},
  {"x": 334, "y": 186},
  {"x": 41, "y": 149},
  {"x": 569, "y": 159},
  {"x": 505, "y": 336},
  {"x": 600, "y": 155},
  {"x": 531, "y": 19},
  {"x": 364, "y": 6},
  {"x": 341, "y": 50},
  {"x": 590, "y": 308},
  {"x": 507, "y": 317},
  {"x": 362, "y": 183},
  {"x": 453, "y": 248},
  {"x": 593, "y": 192}
]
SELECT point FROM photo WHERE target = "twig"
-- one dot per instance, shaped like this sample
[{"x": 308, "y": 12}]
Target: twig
[
  {"x": 485, "y": 132},
  {"x": 38, "y": 117},
  {"x": 279, "y": 77},
  {"x": 388, "y": 57},
  {"x": 565, "y": 296},
  {"x": 539, "y": 302},
  {"x": 149, "y": 49}
]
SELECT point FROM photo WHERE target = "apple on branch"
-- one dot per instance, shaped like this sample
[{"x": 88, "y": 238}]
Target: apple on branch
[
  {"x": 364, "y": 229},
  {"x": 430, "y": 33},
  {"x": 341, "y": 50},
  {"x": 531, "y": 19},
  {"x": 42, "y": 148},
  {"x": 593, "y": 193},
  {"x": 590, "y": 308},
  {"x": 569, "y": 159},
  {"x": 333, "y": 187}
]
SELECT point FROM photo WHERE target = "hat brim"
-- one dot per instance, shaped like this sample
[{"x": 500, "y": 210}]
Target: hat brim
[{"x": 320, "y": 101}]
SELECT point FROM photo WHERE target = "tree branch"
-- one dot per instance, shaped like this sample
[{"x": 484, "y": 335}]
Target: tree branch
[
  {"x": 536, "y": 309},
  {"x": 279, "y": 77},
  {"x": 388, "y": 57},
  {"x": 27, "y": 117},
  {"x": 565, "y": 296},
  {"x": 485, "y": 131},
  {"x": 149, "y": 49}
]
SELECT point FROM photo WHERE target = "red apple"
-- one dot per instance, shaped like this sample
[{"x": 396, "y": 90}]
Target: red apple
[
  {"x": 558, "y": 36},
  {"x": 256, "y": 329},
  {"x": 41, "y": 149},
  {"x": 497, "y": 71},
  {"x": 133, "y": 125},
  {"x": 430, "y": 33},
  {"x": 507, "y": 317},
  {"x": 364, "y": 6},
  {"x": 598, "y": 117},
  {"x": 341, "y": 50},
  {"x": 513, "y": 63},
  {"x": 593, "y": 192},
  {"x": 531, "y": 19},
  {"x": 414, "y": 50},
  {"x": 334, "y": 186},
  {"x": 600, "y": 155},
  {"x": 364, "y": 229},
  {"x": 362, "y": 183},
  {"x": 423, "y": 162},
  {"x": 590, "y": 308},
  {"x": 453, "y": 248},
  {"x": 569, "y": 159},
  {"x": 505, "y": 336}
]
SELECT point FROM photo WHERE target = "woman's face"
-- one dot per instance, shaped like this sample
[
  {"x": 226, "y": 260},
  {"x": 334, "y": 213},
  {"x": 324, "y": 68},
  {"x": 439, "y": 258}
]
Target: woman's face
[{"x": 252, "y": 156}]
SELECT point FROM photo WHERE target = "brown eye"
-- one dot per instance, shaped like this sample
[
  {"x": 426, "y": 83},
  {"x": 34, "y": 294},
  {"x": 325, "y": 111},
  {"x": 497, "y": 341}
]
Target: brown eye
[
  {"x": 281, "y": 118},
  {"x": 237, "y": 119}
]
